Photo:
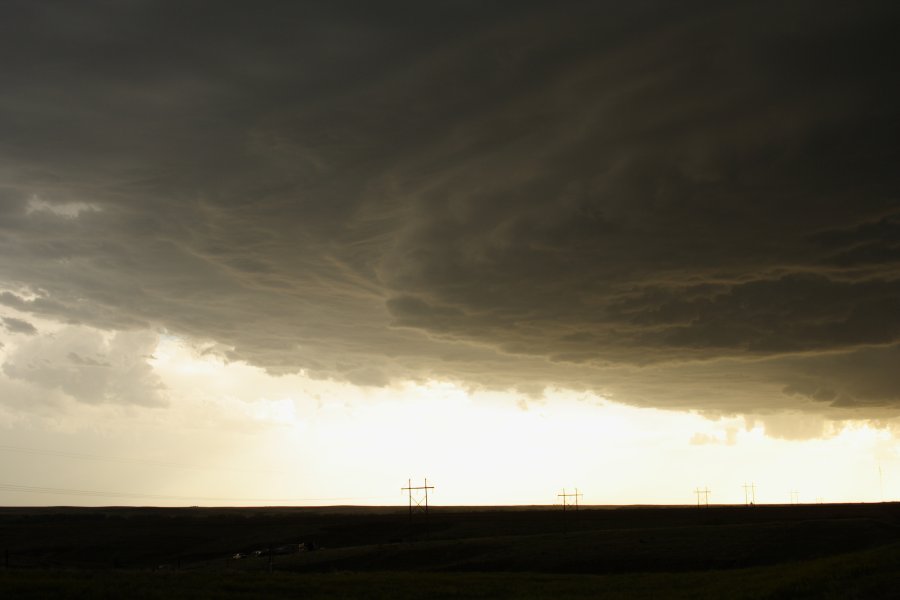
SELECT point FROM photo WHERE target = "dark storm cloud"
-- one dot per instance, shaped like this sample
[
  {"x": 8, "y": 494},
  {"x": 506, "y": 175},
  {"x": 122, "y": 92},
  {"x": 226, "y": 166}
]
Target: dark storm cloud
[{"x": 692, "y": 206}]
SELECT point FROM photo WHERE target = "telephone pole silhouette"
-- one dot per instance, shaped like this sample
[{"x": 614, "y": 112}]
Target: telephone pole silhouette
[
  {"x": 565, "y": 498},
  {"x": 420, "y": 503},
  {"x": 705, "y": 493},
  {"x": 749, "y": 494}
]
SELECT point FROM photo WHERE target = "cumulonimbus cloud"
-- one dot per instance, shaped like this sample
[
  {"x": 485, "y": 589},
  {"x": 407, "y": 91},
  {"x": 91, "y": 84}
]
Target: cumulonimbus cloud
[{"x": 673, "y": 207}]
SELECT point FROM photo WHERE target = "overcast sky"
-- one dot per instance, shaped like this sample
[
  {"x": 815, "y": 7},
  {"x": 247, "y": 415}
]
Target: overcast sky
[{"x": 683, "y": 215}]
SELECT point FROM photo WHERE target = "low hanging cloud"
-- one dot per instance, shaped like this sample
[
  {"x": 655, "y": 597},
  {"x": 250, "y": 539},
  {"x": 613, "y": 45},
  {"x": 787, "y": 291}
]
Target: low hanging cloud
[
  {"x": 728, "y": 438},
  {"x": 85, "y": 365},
  {"x": 692, "y": 207}
]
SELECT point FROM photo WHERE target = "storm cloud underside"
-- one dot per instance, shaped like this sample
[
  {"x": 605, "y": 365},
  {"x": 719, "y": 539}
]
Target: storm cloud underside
[{"x": 691, "y": 206}]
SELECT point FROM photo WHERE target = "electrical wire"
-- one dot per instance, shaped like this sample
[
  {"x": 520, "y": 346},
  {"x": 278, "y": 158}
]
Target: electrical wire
[
  {"x": 29, "y": 489},
  {"x": 132, "y": 461}
]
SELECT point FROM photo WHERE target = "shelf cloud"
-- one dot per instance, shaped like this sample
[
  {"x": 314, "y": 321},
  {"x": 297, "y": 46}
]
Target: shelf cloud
[{"x": 692, "y": 206}]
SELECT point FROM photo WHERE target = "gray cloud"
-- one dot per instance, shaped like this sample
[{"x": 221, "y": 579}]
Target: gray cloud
[
  {"x": 693, "y": 208},
  {"x": 14, "y": 325}
]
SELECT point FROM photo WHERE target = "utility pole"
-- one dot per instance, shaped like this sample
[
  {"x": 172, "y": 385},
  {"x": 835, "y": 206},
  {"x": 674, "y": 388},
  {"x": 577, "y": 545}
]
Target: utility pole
[
  {"x": 420, "y": 503},
  {"x": 705, "y": 493},
  {"x": 795, "y": 497},
  {"x": 749, "y": 494},
  {"x": 565, "y": 498}
]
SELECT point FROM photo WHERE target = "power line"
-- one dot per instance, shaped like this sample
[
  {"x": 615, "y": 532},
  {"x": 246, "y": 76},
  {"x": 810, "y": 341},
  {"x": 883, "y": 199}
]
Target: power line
[
  {"x": 126, "y": 460},
  {"x": 565, "y": 498},
  {"x": 10, "y": 487},
  {"x": 417, "y": 498},
  {"x": 705, "y": 493},
  {"x": 749, "y": 494}
]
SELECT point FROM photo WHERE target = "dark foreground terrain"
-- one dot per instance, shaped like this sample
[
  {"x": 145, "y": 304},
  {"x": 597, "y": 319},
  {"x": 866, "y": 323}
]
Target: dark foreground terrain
[{"x": 812, "y": 551}]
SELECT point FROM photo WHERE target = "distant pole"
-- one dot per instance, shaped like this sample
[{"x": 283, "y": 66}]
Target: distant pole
[
  {"x": 565, "y": 498},
  {"x": 705, "y": 493},
  {"x": 880, "y": 481},
  {"x": 795, "y": 497},
  {"x": 410, "y": 488},
  {"x": 749, "y": 494}
]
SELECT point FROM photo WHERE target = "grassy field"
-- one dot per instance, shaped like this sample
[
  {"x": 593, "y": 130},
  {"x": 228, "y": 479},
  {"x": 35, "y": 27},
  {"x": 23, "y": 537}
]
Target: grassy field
[
  {"x": 868, "y": 574},
  {"x": 823, "y": 551}
]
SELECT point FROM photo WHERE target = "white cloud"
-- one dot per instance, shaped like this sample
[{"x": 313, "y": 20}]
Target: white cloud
[
  {"x": 67, "y": 210},
  {"x": 89, "y": 365}
]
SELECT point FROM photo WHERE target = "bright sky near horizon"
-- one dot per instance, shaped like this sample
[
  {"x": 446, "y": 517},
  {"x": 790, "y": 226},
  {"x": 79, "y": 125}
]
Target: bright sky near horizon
[{"x": 234, "y": 435}]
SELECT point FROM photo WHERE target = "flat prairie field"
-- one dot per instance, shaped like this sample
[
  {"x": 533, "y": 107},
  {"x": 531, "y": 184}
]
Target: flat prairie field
[{"x": 801, "y": 551}]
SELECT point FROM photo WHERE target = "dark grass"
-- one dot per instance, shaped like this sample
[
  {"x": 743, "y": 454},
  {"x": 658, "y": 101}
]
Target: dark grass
[
  {"x": 818, "y": 551},
  {"x": 870, "y": 574},
  {"x": 647, "y": 549},
  {"x": 626, "y": 538}
]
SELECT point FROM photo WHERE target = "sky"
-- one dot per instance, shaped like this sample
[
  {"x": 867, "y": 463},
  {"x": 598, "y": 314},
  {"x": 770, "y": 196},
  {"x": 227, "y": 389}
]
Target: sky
[{"x": 299, "y": 253}]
